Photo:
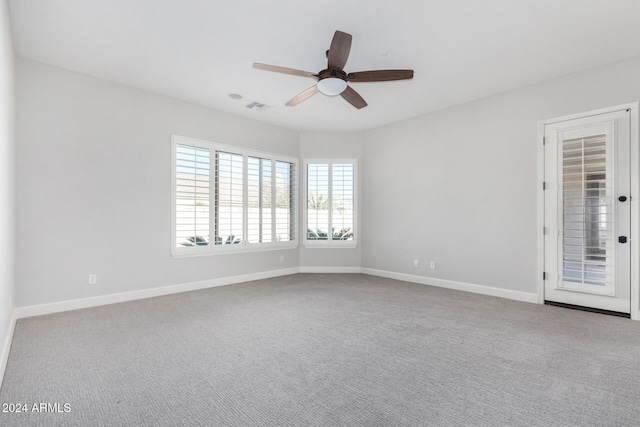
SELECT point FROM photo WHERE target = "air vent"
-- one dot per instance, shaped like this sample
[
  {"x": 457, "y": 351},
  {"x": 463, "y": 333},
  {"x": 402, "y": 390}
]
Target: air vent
[{"x": 257, "y": 106}]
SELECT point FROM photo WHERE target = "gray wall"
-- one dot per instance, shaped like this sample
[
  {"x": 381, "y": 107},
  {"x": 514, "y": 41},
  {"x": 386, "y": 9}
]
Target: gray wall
[
  {"x": 93, "y": 186},
  {"x": 459, "y": 186},
  {"x": 7, "y": 174},
  {"x": 331, "y": 145}
]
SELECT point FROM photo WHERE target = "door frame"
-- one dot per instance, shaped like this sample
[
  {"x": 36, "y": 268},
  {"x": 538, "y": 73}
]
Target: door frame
[{"x": 635, "y": 197}]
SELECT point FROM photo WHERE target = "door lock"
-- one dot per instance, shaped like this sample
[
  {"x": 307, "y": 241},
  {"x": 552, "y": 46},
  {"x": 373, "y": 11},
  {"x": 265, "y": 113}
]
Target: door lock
[{"x": 622, "y": 239}]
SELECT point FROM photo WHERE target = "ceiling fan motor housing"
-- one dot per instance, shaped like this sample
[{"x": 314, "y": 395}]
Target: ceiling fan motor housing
[{"x": 332, "y": 73}]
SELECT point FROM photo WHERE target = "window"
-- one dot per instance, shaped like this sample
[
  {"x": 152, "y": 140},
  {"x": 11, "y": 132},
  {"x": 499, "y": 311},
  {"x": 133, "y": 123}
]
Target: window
[
  {"x": 331, "y": 203},
  {"x": 227, "y": 199},
  {"x": 192, "y": 190}
]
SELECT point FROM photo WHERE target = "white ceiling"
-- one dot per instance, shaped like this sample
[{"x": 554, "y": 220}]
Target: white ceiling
[{"x": 203, "y": 50}]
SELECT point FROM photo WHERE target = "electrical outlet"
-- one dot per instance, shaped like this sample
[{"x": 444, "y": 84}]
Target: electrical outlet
[
  {"x": 416, "y": 263},
  {"x": 281, "y": 258},
  {"x": 93, "y": 279},
  {"x": 432, "y": 265}
]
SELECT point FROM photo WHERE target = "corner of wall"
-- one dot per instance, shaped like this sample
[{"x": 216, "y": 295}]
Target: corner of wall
[
  {"x": 6, "y": 346},
  {"x": 7, "y": 186}
]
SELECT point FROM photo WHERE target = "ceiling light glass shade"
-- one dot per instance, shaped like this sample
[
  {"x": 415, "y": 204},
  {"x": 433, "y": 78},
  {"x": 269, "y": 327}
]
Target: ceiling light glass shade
[{"x": 332, "y": 86}]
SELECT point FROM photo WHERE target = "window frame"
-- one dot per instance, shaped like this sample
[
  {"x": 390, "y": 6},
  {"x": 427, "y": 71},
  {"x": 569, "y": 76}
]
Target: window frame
[
  {"x": 244, "y": 246},
  {"x": 332, "y": 244}
]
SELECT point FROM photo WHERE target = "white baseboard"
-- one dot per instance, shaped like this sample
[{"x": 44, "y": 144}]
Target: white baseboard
[
  {"x": 6, "y": 346},
  {"x": 459, "y": 286},
  {"x": 330, "y": 270},
  {"x": 57, "y": 307}
]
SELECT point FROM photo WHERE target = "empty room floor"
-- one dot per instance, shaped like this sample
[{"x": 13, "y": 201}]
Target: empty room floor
[{"x": 325, "y": 350}]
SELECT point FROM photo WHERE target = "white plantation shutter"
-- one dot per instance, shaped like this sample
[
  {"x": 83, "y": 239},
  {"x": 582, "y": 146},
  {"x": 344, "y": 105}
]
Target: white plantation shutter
[
  {"x": 317, "y": 201},
  {"x": 229, "y": 198},
  {"x": 259, "y": 200},
  {"x": 587, "y": 232},
  {"x": 342, "y": 201},
  {"x": 192, "y": 190},
  {"x": 285, "y": 224},
  {"x": 331, "y": 207}
]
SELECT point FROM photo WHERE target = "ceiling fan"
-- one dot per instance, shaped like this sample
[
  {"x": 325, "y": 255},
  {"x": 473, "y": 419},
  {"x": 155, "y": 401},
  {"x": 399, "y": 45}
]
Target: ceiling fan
[{"x": 334, "y": 80}]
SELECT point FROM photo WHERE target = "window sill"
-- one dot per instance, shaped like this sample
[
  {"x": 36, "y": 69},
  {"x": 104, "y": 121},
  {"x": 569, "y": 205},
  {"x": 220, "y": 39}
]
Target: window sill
[
  {"x": 230, "y": 249},
  {"x": 330, "y": 245}
]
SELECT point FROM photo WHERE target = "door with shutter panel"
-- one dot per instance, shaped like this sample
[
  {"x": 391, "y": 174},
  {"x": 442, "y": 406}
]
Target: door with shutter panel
[{"x": 588, "y": 212}]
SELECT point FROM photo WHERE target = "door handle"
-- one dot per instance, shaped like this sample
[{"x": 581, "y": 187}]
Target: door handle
[
  {"x": 622, "y": 239},
  {"x": 622, "y": 198}
]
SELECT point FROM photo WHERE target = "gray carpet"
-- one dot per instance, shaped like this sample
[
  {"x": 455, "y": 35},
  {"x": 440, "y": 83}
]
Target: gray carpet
[{"x": 326, "y": 350}]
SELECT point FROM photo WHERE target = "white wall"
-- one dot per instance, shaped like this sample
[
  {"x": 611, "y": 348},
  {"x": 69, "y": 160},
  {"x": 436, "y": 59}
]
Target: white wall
[
  {"x": 331, "y": 145},
  {"x": 7, "y": 184},
  {"x": 459, "y": 186},
  {"x": 93, "y": 186}
]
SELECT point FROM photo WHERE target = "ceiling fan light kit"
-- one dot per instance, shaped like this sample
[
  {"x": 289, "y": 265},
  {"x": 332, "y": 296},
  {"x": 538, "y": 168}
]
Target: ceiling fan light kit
[
  {"x": 332, "y": 86},
  {"x": 334, "y": 80}
]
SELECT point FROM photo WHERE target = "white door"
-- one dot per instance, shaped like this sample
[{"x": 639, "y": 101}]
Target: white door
[{"x": 588, "y": 212}]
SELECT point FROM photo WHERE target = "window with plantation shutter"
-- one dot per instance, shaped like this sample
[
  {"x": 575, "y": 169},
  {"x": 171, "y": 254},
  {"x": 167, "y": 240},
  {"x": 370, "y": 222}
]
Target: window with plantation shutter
[
  {"x": 330, "y": 218},
  {"x": 285, "y": 194},
  {"x": 342, "y": 201},
  {"x": 259, "y": 200},
  {"x": 228, "y": 199},
  {"x": 192, "y": 196},
  {"x": 587, "y": 230},
  {"x": 317, "y": 201}
]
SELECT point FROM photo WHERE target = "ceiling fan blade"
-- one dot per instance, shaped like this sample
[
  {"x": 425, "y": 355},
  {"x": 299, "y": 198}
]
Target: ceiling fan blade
[
  {"x": 302, "y": 96},
  {"x": 339, "y": 50},
  {"x": 379, "y": 76},
  {"x": 284, "y": 70},
  {"x": 353, "y": 98}
]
